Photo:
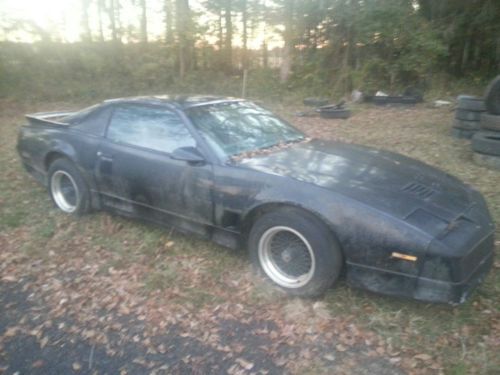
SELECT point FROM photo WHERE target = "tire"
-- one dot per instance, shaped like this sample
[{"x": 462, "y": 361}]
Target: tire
[
  {"x": 486, "y": 160},
  {"x": 315, "y": 102},
  {"x": 470, "y": 103},
  {"x": 466, "y": 125},
  {"x": 415, "y": 93},
  {"x": 462, "y": 133},
  {"x": 464, "y": 114},
  {"x": 492, "y": 97},
  {"x": 490, "y": 122},
  {"x": 315, "y": 244},
  {"x": 335, "y": 113},
  {"x": 394, "y": 100},
  {"x": 67, "y": 188},
  {"x": 486, "y": 143}
]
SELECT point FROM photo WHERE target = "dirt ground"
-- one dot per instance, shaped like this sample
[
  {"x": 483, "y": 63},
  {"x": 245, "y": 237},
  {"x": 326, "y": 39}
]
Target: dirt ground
[{"x": 102, "y": 294}]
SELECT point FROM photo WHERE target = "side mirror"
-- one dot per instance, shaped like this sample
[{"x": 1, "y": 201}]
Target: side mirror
[{"x": 190, "y": 154}]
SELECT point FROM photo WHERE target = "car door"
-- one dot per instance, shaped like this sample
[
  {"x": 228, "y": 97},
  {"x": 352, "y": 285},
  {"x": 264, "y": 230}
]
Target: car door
[{"x": 136, "y": 172}]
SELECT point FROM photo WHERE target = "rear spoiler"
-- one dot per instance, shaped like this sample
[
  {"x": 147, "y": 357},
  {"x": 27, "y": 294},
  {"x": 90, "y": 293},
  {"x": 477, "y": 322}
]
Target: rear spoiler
[{"x": 48, "y": 118}]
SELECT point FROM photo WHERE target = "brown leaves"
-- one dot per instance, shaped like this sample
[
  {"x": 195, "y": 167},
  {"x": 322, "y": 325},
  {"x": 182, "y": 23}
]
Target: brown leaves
[
  {"x": 43, "y": 342},
  {"x": 38, "y": 363},
  {"x": 12, "y": 331},
  {"x": 247, "y": 365},
  {"x": 423, "y": 357}
]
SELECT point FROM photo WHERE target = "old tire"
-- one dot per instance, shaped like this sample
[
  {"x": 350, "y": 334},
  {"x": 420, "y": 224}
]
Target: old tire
[
  {"x": 296, "y": 251},
  {"x": 462, "y": 133},
  {"x": 470, "y": 103},
  {"x": 335, "y": 113},
  {"x": 488, "y": 161},
  {"x": 492, "y": 97},
  {"x": 414, "y": 93},
  {"x": 394, "y": 100},
  {"x": 486, "y": 143},
  {"x": 315, "y": 102},
  {"x": 464, "y": 114},
  {"x": 466, "y": 125},
  {"x": 490, "y": 122},
  {"x": 67, "y": 188}
]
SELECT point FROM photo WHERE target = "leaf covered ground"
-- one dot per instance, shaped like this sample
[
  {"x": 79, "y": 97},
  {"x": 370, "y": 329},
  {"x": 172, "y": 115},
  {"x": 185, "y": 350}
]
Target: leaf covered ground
[{"x": 103, "y": 294}]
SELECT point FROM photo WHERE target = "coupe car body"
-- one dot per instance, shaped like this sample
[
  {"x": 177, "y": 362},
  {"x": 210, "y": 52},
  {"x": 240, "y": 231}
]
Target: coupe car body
[{"x": 401, "y": 227}]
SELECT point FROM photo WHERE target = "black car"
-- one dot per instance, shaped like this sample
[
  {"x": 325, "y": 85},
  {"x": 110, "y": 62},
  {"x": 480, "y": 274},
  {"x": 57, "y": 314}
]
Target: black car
[{"x": 307, "y": 210}]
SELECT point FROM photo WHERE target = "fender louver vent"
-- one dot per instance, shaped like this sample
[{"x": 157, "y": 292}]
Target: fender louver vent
[{"x": 419, "y": 190}]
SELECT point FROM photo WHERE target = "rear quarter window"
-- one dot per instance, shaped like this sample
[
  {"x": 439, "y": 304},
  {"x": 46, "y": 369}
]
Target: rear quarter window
[{"x": 95, "y": 123}]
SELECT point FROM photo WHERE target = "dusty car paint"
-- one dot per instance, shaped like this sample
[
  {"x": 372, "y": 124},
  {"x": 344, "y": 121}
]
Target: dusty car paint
[{"x": 377, "y": 203}]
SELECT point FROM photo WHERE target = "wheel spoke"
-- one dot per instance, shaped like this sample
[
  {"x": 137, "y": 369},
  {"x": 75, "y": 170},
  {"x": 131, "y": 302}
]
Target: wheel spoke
[{"x": 286, "y": 256}]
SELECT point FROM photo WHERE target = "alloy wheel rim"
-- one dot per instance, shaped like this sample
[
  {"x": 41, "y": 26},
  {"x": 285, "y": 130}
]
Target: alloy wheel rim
[
  {"x": 64, "y": 191},
  {"x": 286, "y": 257}
]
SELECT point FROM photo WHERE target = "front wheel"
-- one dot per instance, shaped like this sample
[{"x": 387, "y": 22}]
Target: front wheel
[
  {"x": 67, "y": 188},
  {"x": 296, "y": 251}
]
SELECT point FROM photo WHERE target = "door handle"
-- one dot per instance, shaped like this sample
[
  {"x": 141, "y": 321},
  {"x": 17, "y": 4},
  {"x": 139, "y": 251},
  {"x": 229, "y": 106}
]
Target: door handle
[{"x": 104, "y": 157}]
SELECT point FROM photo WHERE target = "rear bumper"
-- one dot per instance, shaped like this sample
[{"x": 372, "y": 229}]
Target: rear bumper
[{"x": 38, "y": 175}]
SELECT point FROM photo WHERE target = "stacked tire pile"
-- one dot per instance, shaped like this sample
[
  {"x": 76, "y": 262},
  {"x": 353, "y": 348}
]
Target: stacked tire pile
[
  {"x": 468, "y": 116},
  {"x": 486, "y": 142}
]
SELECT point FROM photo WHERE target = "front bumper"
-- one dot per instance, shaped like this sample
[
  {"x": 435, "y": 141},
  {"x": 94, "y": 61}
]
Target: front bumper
[
  {"x": 453, "y": 292},
  {"x": 454, "y": 278}
]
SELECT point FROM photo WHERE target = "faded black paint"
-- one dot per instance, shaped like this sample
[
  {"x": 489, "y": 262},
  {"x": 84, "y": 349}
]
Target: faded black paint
[{"x": 376, "y": 202}]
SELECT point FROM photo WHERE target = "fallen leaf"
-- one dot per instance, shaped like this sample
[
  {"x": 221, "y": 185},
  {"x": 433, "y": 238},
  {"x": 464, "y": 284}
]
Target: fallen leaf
[
  {"x": 43, "y": 342},
  {"x": 340, "y": 348},
  {"x": 244, "y": 363},
  {"x": 11, "y": 331},
  {"x": 329, "y": 357},
  {"x": 37, "y": 364},
  {"x": 76, "y": 366},
  {"x": 423, "y": 357}
]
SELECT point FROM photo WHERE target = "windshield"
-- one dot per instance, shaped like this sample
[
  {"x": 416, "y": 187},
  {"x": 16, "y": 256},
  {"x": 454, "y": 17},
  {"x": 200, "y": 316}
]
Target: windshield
[{"x": 233, "y": 128}]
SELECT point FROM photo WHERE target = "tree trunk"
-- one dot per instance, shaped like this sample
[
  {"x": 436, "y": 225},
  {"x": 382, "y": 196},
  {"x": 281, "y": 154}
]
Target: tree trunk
[
  {"x": 144, "y": 22},
  {"x": 112, "y": 20},
  {"x": 228, "y": 45},
  {"x": 86, "y": 35},
  {"x": 286, "y": 62},
  {"x": 183, "y": 27},
  {"x": 220, "y": 42},
  {"x": 265, "y": 55},
  {"x": 244, "y": 36},
  {"x": 169, "y": 30},
  {"x": 100, "y": 9}
]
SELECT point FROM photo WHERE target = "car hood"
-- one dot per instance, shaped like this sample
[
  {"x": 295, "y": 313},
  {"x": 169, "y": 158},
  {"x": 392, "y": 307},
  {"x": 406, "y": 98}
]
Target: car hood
[{"x": 384, "y": 180}]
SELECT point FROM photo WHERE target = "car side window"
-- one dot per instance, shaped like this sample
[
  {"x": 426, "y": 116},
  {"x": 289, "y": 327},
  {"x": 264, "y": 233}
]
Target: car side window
[{"x": 154, "y": 128}]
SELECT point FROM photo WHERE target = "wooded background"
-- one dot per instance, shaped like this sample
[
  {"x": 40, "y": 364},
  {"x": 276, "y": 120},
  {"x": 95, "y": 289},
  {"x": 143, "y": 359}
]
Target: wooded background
[{"x": 326, "y": 47}]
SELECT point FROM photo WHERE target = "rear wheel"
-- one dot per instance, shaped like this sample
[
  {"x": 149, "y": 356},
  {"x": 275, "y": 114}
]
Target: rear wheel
[
  {"x": 67, "y": 188},
  {"x": 296, "y": 251}
]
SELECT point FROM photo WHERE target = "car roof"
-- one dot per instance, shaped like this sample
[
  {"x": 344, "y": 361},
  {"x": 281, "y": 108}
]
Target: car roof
[{"x": 180, "y": 101}]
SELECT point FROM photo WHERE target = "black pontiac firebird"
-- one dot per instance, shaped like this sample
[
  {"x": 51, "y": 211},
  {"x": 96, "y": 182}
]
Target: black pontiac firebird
[{"x": 233, "y": 172}]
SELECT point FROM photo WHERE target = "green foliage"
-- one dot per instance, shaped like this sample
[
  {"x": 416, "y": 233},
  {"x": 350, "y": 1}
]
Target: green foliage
[
  {"x": 369, "y": 45},
  {"x": 339, "y": 45}
]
